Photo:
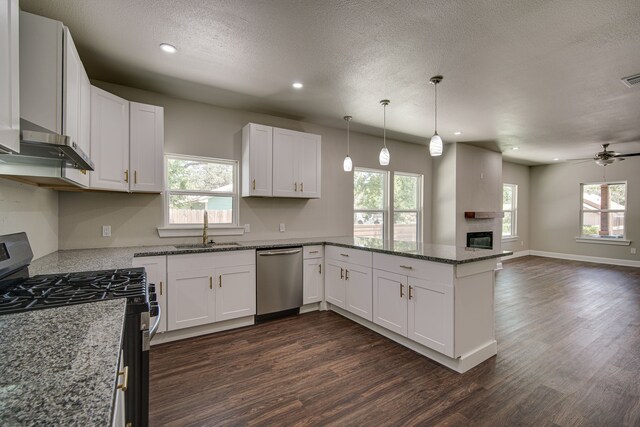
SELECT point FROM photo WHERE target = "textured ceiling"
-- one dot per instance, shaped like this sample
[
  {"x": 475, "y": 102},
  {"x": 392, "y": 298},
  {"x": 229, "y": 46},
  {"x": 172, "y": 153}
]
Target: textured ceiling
[{"x": 543, "y": 76}]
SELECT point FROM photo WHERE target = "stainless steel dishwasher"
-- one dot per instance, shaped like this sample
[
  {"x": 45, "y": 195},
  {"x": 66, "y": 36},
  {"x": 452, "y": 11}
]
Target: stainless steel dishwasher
[{"x": 278, "y": 282}]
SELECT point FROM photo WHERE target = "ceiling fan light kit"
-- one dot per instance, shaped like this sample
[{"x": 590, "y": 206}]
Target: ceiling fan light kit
[
  {"x": 435, "y": 145},
  {"x": 384, "y": 156}
]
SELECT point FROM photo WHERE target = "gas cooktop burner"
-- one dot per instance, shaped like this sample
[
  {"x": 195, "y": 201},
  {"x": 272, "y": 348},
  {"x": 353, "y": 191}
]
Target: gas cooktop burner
[{"x": 55, "y": 290}]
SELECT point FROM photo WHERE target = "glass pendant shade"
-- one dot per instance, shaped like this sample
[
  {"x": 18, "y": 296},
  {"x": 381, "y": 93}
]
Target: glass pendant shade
[
  {"x": 347, "y": 164},
  {"x": 384, "y": 156},
  {"x": 435, "y": 146}
]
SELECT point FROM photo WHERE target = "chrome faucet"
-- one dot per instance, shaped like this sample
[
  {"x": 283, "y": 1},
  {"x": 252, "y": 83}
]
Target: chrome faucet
[{"x": 205, "y": 237}]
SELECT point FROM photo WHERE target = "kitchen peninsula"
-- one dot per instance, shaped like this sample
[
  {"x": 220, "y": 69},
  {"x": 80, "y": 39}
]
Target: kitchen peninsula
[{"x": 437, "y": 300}]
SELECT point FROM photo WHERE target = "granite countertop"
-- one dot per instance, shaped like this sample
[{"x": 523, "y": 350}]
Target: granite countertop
[
  {"x": 439, "y": 253},
  {"x": 59, "y": 365},
  {"x": 109, "y": 258}
]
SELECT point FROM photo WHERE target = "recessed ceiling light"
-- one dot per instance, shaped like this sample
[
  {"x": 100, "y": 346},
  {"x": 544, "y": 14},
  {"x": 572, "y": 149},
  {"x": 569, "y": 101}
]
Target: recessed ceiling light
[
  {"x": 297, "y": 85},
  {"x": 457, "y": 133},
  {"x": 515, "y": 148},
  {"x": 168, "y": 48},
  {"x": 556, "y": 159}
]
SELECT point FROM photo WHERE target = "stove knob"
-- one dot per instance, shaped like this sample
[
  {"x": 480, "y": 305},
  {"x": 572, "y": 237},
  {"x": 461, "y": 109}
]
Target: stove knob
[
  {"x": 153, "y": 297},
  {"x": 152, "y": 288}
]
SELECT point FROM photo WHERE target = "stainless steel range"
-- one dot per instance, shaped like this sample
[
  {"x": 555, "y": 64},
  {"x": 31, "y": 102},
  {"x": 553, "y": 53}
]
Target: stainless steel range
[{"x": 19, "y": 292}]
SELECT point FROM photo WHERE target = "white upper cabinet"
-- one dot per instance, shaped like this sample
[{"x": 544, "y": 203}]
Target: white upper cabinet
[
  {"x": 109, "y": 141},
  {"x": 296, "y": 164},
  {"x": 256, "y": 160},
  {"x": 280, "y": 162},
  {"x": 41, "y": 71},
  {"x": 77, "y": 107},
  {"x": 9, "y": 77},
  {"x": 146, "y": 147}
]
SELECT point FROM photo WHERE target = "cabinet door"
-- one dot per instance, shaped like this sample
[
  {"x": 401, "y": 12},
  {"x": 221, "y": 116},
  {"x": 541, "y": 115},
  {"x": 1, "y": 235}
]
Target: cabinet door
[
  {"x": 9, "y": 77},
  {"x": 77, "y": 107},
  {"x": 41, "y": 77},
  {"x": 236, "y": 292},
  {"x": 313, "y": 280},
  {"x": 359, "y": 291},
  {"x": 309, "y": 154},
  {"x": 257, "y": 147},
  {"x": 109, "y": 141},
  {"x": 431, "y": 314},
  {"x": 390, "y": 301},
  {"x": 335, "y": 285},
  {"x": 285, "y": 168},
  {"x": 146, "y": 147},
  {"x": 156, "y": 268},
  {"x": 191, "y": 298}
]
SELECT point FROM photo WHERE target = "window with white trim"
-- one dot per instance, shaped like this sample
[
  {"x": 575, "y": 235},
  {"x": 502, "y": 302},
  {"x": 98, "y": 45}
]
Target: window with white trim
[
  {"x": 603, "y": 209},
  {"x": 373, "y": 213},
  {"x": 510, "y": 209},
  {"x": 370, "y": 203},
  {"x": 407, "y": 207},
  {"x": 195, "y": 184}
]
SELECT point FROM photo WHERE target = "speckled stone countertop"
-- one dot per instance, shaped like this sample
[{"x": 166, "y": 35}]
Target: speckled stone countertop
[
  {"x": 59, "y": 365},
  {"x": 438, "y": 253},
  {"x": 109, "y": 258}
]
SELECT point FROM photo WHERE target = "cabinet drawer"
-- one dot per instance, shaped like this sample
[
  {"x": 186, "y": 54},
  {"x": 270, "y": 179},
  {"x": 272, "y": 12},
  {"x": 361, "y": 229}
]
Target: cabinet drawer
[
  {"x": 316, "y": 251},
  {"x": 414, "y": 267},
  {"x": 352, "y": 256},
  {"x": 190, "y": 262}
]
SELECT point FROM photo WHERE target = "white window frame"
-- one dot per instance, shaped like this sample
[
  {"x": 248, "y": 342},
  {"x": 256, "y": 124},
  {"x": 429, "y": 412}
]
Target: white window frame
[
  {"x": 603, "y": 240},
  {"x": 419, "y": 203},
  {"x": 513, "y": 210},
  {"x": 385, "y": 197},
  {"x": 188, "y": 230}
]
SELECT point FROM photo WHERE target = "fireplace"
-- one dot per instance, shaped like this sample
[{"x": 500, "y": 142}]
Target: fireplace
[{"x": 481, "y": 239}]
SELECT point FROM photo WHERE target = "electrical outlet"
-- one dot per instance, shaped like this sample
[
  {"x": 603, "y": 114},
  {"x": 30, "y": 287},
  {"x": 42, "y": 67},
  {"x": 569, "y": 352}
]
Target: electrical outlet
[
  {"x": 633, "y": 251},
  {"x": 106, "y": 231},
  {"x": 247, "y": 228},
  {"x": 282, "y": 227},
  {"x": 522, "y": 243}
]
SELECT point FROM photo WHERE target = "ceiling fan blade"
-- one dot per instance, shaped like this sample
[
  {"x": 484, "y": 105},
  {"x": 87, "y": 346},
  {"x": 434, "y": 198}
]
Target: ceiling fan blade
[
  {"x": 628, "y": 155},
  {"x": 578, "y": 161}
]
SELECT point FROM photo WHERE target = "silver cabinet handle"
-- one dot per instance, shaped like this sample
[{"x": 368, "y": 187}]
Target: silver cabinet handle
[
  {"x": 313, "y": 252},
  {"x": 345, "y": 255},
  {"x": 408, "y": 267}
]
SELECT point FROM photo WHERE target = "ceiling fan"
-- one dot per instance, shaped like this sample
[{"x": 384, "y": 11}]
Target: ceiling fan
[{"x": 606, "y": 157}]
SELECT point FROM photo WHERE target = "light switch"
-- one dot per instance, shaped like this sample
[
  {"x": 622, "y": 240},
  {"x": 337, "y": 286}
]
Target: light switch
[{"x": 282, "y": 227}]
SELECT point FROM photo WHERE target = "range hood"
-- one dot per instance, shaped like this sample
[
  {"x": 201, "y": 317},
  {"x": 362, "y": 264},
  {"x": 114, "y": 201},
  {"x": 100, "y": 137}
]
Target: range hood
[
  {"x": 38, "y": 142},
  {"x": 43, "y": 158}
]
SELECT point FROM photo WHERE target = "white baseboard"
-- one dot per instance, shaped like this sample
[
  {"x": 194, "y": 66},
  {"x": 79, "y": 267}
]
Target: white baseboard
[
  {"x": 585, "y": 258},
  {"x": 517, "y": 254},
  {"x": 196, "y": 331}
]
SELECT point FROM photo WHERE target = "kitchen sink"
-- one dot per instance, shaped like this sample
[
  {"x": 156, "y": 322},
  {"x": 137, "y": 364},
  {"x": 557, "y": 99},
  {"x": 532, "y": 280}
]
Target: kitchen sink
[{"x": 208, "y": 245}]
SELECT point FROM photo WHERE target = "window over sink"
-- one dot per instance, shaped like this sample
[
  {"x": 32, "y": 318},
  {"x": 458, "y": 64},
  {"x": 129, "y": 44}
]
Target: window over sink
[{"x": 198, "y": 184}]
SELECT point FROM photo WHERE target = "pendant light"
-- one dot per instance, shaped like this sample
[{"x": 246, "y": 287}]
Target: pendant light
[
  {"x": 385, "y": 156},
  {"x": 435, "y": 146},
  {"x": 347, "y": 164}
]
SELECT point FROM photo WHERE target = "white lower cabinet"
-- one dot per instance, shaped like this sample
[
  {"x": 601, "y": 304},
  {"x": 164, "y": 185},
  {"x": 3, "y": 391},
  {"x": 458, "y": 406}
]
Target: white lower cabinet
[
  {"x": 118, "y": 418},
  {"x": 156, "y": 268},
  {"x": 348, "y": 280},
  {"x": 236, "y": 295},
  {"x": 312, "y": 274},
  {"x": 419, "y": 308},
  {"x": 208, "y": 287}
]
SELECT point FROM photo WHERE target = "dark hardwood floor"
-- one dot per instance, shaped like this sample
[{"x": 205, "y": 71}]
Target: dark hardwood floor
[{"x": 568, "y": 354}]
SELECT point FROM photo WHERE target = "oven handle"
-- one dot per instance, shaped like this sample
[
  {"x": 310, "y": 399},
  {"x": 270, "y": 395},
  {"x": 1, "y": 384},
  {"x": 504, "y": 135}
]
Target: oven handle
[{"x": 156, "y": 324}]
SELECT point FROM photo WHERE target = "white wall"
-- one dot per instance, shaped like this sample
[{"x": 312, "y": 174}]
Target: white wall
[
  {"x": 555, "y": 207},
  {"x": 32, "y": 210},
  {"x": 443, "y": 227},
  {"x": 513, "y": 173},
  {"x": 206, "y": 130}
]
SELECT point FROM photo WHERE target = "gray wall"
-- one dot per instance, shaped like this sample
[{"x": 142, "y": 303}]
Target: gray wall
[
  {"x": 206, "y": 130},
  {"x": 30, "y": 209},
  {"x": 513, "y": 173},
  {"x": 555, "y": 207},
  {"x": 443, "y": 228}
]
